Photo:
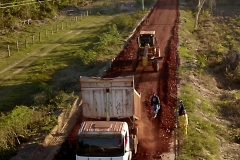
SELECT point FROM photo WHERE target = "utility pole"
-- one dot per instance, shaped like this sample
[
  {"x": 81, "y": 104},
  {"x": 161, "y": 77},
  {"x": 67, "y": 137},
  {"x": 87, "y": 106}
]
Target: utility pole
[{"x": 143, "y": 4}]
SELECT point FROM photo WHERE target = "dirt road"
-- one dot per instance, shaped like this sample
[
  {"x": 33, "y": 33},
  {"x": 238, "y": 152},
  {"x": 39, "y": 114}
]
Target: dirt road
[
  {"x": 155, "y": 135},
  {"x": 155, "y": 140}
]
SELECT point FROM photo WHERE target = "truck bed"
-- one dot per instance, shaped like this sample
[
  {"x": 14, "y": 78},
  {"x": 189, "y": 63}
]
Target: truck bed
[{"x": 109, "y": 97}]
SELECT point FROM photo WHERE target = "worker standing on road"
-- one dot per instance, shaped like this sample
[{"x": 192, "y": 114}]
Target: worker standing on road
[
  {"x": 181, "y": 108},
  {"x": 183, "y": 121},
  {"x": 155, "y": 103}
]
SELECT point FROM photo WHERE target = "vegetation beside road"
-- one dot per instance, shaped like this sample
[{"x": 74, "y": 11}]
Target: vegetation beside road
[
  {"x": 31, "y": 100},
  {"x": 209, "y": 90}
]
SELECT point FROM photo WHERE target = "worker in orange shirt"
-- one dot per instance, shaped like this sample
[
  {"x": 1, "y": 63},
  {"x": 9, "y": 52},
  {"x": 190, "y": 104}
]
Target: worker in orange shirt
[{"x": 183, "y": 121}]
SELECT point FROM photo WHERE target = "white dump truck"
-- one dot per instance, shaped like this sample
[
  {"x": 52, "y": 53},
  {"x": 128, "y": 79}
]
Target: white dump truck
[{"x": 111, "y": 107}]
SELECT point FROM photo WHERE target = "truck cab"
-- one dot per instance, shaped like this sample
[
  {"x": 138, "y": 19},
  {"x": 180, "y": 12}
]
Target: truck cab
[
  {"x": 110, "y": 107},
  {"x": 101, "y": 140}
]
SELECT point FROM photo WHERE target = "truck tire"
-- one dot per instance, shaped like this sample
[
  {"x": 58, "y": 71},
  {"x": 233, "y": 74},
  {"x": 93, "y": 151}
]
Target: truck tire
[{"x": 155, "y": 65}]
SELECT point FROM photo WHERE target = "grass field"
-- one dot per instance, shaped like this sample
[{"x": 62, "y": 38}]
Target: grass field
[{"x": 44, "y": 76}]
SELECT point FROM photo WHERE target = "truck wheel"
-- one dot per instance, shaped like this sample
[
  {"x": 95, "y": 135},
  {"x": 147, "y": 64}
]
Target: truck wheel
[
  {"x": 156, "y": 65},
  {"x": 134, "y": 65}
]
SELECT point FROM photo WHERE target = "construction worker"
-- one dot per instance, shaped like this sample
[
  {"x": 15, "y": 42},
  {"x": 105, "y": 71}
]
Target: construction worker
[
  {"x": 181, "y": 108},
  {"x": 155, "y": 103},
  {"x": 183, "y": 121}
]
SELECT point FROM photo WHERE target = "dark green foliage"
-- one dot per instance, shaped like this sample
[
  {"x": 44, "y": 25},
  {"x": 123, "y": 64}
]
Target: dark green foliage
[
  {"x": 108, "y": 39},
  {"x": 23, "y": 121},
  {"x": 15, "y": 13},
  {"x": 230, "y": 109},
  {"x": 146, "y": 2},
  {"x": 124, "y": 23},
  {"x": 16, "y": 124}
]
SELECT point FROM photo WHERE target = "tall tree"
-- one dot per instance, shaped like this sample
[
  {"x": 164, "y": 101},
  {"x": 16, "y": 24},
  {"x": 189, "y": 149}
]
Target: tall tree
[{"x": 211, "y": 3}]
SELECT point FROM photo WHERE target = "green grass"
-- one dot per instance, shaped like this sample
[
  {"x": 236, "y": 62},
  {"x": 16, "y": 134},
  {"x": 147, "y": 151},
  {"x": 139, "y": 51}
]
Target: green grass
[
  {"x": 201, "y": 141},
  {"x": 48, "y": 79},
  {"x": 44, "y": 68},
  {"x": 71, "y": 50},
  {"x": 202, "y": 131},
  {"x": 207, "y": 111}
]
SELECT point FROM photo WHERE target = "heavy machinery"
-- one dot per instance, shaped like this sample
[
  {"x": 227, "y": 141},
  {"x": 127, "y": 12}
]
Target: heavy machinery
[
  {"x": 111, "y": 106},
  {"x": 148, "y": 53}
]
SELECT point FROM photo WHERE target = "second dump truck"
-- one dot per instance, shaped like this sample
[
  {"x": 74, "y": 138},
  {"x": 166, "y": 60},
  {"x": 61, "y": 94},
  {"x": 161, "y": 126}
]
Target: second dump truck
[{"x": 111, "y": 107}]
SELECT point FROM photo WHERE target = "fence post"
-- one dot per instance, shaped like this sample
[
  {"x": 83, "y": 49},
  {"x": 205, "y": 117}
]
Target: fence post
[
  {"x": 81, "y": 16},
  {"x": 9, "y": 53},
  {"x": 17, "y": 47},
  {"x": 87, "y": 12}
]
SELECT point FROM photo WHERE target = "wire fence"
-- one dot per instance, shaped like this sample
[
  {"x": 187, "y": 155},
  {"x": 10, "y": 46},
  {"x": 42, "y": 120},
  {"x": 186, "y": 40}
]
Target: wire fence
[{"x": 8, "y": 49}]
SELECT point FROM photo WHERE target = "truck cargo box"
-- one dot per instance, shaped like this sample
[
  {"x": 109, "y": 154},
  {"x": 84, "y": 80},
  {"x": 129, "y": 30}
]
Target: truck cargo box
[{"x": 109, "y": 97}]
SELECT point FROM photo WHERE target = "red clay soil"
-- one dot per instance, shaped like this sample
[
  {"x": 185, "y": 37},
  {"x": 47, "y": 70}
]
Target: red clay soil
[{"x": 154, "y": 134}]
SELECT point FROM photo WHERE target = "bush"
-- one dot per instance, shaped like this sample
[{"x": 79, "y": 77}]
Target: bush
[
  {"x": 108, "y": 39},
  {"x": 18, "y": 123},
  {"x": 125, "y": 22},
  {"x": 146, "y": 2}
]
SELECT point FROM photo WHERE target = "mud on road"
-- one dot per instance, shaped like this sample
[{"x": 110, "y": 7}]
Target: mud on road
[{"x": 155, "y": 135}]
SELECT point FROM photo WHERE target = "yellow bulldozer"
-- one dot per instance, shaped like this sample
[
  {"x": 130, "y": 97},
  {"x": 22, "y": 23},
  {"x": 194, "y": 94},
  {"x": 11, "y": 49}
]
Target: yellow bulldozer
[{"x": 148, "y": 53}]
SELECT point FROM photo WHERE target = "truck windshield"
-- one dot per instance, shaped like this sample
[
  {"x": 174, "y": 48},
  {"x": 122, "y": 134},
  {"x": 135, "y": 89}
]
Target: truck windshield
[{"x": 100, "y": 147}]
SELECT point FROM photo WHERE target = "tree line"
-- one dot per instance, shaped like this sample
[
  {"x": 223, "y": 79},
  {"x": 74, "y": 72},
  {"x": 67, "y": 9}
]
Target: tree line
[{"x": 14, "y": 12}]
